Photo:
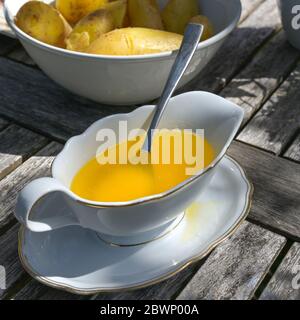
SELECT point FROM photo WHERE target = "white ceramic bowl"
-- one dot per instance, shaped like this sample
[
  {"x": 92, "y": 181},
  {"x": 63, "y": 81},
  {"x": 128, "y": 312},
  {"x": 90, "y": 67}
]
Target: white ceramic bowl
[
  {"x": 289, "y": 12},
  {"x": 120, "y": 80}
]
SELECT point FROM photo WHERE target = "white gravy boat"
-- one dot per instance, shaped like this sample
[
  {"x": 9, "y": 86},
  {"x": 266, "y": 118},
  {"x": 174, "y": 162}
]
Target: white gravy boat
[{"x": 48, "y": 203}]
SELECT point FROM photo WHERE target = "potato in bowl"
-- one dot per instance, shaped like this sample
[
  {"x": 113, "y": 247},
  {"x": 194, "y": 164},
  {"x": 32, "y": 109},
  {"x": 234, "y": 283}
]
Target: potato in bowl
[
  {"x": 115, "y": 27},
  {"x": 122, "y": 79}
]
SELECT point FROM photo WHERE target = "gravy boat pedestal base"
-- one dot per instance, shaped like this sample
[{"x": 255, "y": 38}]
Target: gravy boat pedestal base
[
  {"x": 75, "y": 259},
  {"x": 142, "y": 238}
]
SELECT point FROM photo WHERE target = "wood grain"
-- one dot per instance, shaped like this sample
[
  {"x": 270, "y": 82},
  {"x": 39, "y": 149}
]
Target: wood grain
[
  {"x": 7, "y": 44},
  {"x": 278, "y": 121},
  {"x": 36, "y": 166},
  {"x": 236, "y": 268},
  {"x": 34, "y": 290},
  {"x": 9, "y": 259},
  {"x": 20, "y": 55},
  {"x": 238, "y": 49},
  {"x": 265, "y": 72},
  {"x": 285, "y": 283},
  {"x": 248, "y": 6},
  {"x": 276, "y": 181},
  {"x": 3, "y": 124},
  {"x": 11, "y": 185},
  {"x": 293, "y": 151},
  {"x": 17, "y": 144},
  {"x": 45, "y": 106}
]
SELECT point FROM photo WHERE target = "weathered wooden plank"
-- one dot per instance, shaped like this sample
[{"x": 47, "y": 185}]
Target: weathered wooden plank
[
  {"x": 34, "y": 290},
  {"x": 293, "y": 151},
  {"x": 9, "y": 258},
  {"x": 285, "y": 283},
  {"x": 265, "y": 72},
  {"x": 3, "y": 124},
  {"x": 236, "y": 268},
  {"x": 6, "y": 44},
  {"x": 248, "y": 6},
  {"x": 11, "y": 185},
  {"x": 277, "y": 187},
  {"x": 278, "y": 121},
  {"x": 238, "y": 48},
  {"x": 44, "y": 105},
  {"x": 16, "y": 145},
  {"x": 20, "y": 55}
]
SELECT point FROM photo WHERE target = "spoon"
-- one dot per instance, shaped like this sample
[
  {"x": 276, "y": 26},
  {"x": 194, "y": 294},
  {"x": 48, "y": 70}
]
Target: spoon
[{"x": 188, "y": 47}]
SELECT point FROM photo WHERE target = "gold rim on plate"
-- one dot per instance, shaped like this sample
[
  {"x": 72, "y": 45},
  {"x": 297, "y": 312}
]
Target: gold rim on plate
[{"x": 34, "y": 274}]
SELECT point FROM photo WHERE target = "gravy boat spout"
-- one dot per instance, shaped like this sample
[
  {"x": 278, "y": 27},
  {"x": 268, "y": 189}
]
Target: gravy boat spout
[{"x": 48, "y": 203}]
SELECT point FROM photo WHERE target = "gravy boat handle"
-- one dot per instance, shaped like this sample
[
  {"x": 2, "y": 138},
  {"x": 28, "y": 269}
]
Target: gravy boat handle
[{"x": 34, "y": 193}]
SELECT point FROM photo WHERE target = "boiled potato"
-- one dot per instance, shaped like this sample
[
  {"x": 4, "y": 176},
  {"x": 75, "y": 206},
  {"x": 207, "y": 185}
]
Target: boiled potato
[
  {"x": 91, "y": 26},
  {"x": 177, "y": 14},
  {"x": 208, "y": 31},
  {"x": 110, "y": 17},
  {"x": 74, "y": 10},
  {"x": 135, "y": 41},
  {"x": 145, "y": 14},
  {"x": 78, "y": 41},
  {"x": 118, "y": 9},
  {"x": 43, "y": 22}
]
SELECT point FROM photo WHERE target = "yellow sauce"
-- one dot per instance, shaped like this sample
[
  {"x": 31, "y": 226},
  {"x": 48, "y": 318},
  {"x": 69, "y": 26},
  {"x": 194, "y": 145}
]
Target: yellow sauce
[{"x": 108, "y": 182}]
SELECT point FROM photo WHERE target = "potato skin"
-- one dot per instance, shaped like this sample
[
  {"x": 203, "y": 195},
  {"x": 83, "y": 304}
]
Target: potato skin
[
  {"x": 144, "y": 14},
  {"x": 92, "y": 26},
  {"x": 78, "y": 41},
  {"x": 118, "y": 9},
  {"x": 208, "y": 31},
  {"x": 74, "y": 10},
  {"x": 135, "y": 41},
  {"x": 177, "y": 14},
  {"x": 43, "y": 22}
]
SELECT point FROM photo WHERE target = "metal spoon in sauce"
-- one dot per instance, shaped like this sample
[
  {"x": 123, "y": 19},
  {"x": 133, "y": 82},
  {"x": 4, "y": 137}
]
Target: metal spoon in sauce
[{"x": 188, "y": 47}]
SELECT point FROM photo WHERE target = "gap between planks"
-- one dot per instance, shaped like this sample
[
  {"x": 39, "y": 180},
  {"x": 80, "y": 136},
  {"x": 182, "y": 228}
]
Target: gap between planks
[
  {"x": 285, "y": 283},
  {"x": 17, "y": 145},
  {"x": 278, "y": 121},
  {"x": 236, "y": 268}
]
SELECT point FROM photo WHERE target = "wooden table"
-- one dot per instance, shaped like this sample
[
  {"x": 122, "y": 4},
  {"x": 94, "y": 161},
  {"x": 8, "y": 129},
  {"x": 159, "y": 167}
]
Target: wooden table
[{"x": 256, "y": 69}]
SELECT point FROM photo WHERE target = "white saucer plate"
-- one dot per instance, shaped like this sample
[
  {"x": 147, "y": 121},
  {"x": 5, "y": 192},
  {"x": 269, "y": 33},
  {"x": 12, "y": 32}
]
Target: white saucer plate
[{"x": 76, "y": 260}]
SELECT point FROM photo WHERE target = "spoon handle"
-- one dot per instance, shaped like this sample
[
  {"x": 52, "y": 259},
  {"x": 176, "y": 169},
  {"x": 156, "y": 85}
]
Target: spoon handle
[{"x": 188, "y": 47}]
